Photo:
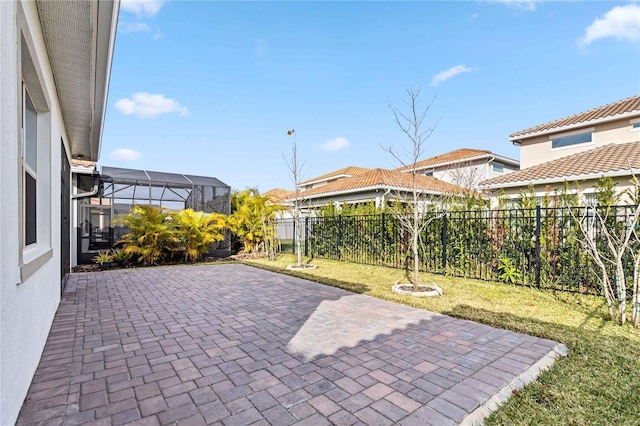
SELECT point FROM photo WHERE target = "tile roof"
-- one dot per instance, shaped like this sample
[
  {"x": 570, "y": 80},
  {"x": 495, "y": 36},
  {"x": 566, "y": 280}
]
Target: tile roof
[
  {"x": 603, "y": 160},
  {"x": 278, "y": 195},
  {"x": 448, "y": 157},
  {"x": 382, "y": 178},
  {"x": 82, "y": 163},
  {"x": 349, "y": 170},
  {"x": 611, "y": 110}
]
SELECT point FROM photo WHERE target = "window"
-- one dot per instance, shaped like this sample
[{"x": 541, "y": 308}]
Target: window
[
  {"x": 636, "y": 125},
  {"x": 34, "y": 192},
  {"x": 29, "y": 168},
  {"x": 498, "y": 168},
  {"x": 591, "y": 199},
  {"x": 571, "y": 140},
  {"x": 429, "y": 174}
]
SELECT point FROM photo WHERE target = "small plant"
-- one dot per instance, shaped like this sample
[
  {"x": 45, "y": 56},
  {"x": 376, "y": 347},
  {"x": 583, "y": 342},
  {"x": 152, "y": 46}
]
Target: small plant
[
  {"x": 104, "y": 257},
  {"x": 120, "y": 257},
  {"x": 508, "y": 271}
]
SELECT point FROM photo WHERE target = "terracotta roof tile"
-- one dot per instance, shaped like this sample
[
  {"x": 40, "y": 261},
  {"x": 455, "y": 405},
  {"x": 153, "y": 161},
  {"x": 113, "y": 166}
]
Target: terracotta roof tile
[
  {"x": 82, "y": 163},
  {"x": 349, "y": 170},
  {"x": 599, "y": 161},
  {"x": 382, "y": 178},
  {"x": 448, "y": 157},
  {"x": 278, "y": 195},
  {"x": 610, "y": 110}
]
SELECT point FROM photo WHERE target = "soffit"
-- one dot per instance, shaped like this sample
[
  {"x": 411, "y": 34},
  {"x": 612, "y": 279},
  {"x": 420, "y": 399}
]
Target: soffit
[{"x": 79, "y": 38}]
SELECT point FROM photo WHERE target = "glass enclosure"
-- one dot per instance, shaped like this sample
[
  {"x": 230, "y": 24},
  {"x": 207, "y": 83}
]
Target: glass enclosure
[{"x": 121, "y": 189}]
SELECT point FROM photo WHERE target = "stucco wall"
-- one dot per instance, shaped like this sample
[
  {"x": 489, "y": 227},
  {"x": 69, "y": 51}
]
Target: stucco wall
[
  {"x": 538, "y": 150},
  {"x": 469, "y": 174},
  {"x": 585, "y": 187},
  {"x": 27, "y": 305}
]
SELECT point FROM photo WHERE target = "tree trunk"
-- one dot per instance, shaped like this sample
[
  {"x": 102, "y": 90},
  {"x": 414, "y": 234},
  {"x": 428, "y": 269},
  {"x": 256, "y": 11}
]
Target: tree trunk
[
  {"x": 414, "y": 243},
  {"x": 635, "y": 306},
  {"x": 297, "y": 237},
  {"x": 621, "y": 288}
]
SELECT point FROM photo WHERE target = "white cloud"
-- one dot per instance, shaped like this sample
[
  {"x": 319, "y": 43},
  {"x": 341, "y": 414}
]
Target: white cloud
[
  {"x": 451, "y": 72},
  {"x": 335, "y": 144},
  {"x": 133, "y": 27},
  {"x": 142, "y": 7},
  {"x": 125, "y": 154},
  {"x": 149, "y": 105},
  {"x": 526, "y": 5},
  {"x": 621, "y": 22}
]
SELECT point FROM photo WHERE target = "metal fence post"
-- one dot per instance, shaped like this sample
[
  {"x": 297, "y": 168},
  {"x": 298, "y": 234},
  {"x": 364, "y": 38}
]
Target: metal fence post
[
  {"x": 384, "y": 235},
  {"x": 538, "y": 220},
  {"x": 339, "y": 236},
  {"x": 444, "y": 242}
]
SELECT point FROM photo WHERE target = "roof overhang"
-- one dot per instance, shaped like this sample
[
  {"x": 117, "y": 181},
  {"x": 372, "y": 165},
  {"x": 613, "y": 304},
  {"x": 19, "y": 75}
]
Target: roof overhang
[
  {"x": 560, "y": 179},
  {"x": 80, "y": 37},
  {"x": 516, "y": 139}
]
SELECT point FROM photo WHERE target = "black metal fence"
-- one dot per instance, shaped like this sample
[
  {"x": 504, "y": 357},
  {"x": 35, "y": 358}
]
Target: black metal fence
[{"x": 539, "y": 247}]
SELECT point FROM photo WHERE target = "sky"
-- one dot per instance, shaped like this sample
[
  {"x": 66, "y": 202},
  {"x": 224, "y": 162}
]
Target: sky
[{"x": 211, "y": 88}]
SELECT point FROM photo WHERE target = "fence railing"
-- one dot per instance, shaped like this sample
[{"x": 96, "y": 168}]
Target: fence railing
[{"x": 539, "y": 247}]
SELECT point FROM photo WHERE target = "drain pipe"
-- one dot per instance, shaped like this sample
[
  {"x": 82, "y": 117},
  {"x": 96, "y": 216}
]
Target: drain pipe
[{"x": 94, "y": 190}]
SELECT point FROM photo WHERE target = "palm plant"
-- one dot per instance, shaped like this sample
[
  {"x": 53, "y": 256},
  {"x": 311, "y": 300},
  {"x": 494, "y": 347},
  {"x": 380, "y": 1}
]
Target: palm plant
[
  {"x": 150, "y": 237},
  {"x": 251, "y": 218},
  {"x": 196, "y": 231}
]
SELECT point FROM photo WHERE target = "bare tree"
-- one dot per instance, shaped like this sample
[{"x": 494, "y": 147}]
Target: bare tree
[
  {"x": 466, "y": 175},
  {"x": 411, "y": 123},
  {"x": 295, "y": 168},
  {"x": 608, "y": 247}
]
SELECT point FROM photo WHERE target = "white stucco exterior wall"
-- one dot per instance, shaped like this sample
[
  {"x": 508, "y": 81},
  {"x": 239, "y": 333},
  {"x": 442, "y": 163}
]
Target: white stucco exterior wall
[{"x": 27, "y": 305}]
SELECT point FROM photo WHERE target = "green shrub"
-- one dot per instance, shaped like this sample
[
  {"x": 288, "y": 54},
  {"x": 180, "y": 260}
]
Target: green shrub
[
  {"x": 151, "y": 236},
  {"x": 195, "y": 231}
]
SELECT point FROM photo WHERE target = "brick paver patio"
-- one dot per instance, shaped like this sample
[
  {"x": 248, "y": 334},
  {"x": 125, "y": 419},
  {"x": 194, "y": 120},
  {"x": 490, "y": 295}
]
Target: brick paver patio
[{"x": 234, "y": 345}]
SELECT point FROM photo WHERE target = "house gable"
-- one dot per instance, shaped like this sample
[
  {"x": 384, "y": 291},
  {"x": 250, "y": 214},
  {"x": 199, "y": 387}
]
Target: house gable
[{"x": 611, "y": 123}]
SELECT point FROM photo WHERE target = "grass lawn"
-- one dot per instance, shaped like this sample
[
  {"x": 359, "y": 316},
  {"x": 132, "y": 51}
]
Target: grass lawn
[{"x": 598, "y": 383}]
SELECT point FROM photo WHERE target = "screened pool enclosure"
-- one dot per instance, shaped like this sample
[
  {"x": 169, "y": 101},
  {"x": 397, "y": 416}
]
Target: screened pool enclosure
[{"x": 120, "y": 189}]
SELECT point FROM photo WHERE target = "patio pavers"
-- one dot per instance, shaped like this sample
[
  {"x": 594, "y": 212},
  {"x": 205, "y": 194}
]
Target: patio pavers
[{"x": 234, "y": 345}]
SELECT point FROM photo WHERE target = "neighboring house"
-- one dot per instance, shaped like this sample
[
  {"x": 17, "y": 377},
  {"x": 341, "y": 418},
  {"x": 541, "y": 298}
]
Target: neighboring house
[
  {"x": 55, "y": 60},
  {"x": 579, "y": 150},
  {"x": 331, "y": 177},
  {"x": 380, "y": 186},
  {"x": 465, "y": 167},
  {"x": 281, "y": 197},
  {"x": 278, "y": 195}
]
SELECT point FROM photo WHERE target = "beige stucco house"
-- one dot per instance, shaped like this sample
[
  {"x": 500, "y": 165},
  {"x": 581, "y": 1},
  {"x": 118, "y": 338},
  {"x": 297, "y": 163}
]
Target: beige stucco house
[
  {"x": 380, "y": 186},
  {"x": 579, "y": 150},
  {"x": 465, "y": 167}
]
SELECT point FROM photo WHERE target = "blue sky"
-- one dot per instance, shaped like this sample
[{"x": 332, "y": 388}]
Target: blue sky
[{"x": 211, "y": 88}]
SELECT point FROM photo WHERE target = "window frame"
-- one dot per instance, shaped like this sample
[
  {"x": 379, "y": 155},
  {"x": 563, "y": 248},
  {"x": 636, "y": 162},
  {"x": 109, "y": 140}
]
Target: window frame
[
  {"x": 30, "y": 170},
  {"x": 571, "y": 135},
  {"x": 31, "y": 79}
]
